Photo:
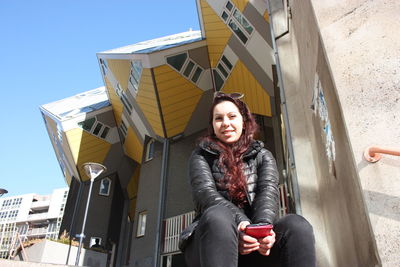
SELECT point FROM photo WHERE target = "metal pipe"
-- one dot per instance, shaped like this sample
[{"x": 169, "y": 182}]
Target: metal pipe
[
  {"x": 161, "y": 202},
  {"x": 374, "y": 153},
  {"x": 295, "y": 185},
  {"x": 82, "y": 235},
  {"x": 72, "y": 225}
]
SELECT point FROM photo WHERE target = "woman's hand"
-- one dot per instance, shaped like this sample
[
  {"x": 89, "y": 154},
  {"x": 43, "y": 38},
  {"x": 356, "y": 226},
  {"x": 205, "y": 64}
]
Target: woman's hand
[
  {"x": 266, "y": 244},
  {"x": 247, "y": 244}
]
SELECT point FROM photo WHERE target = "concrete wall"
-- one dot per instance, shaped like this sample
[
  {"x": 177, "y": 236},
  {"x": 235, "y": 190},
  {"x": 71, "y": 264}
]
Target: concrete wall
[
  {"x": 330, "y": 190},
  {"x": 179, "y": 196},
  {"x": 53, "y": 252},
  {"x": 362, "y": 43}
]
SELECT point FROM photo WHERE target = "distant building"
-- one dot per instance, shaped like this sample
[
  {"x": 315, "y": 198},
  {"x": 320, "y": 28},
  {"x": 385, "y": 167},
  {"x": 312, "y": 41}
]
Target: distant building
[{"x": 32, "y": 216}]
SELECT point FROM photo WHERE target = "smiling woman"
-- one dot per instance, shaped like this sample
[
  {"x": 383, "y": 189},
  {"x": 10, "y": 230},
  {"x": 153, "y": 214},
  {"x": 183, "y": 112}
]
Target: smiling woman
[{"x": 234, "y": 183}]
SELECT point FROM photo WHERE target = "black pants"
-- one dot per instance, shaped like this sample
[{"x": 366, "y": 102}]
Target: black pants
[{"x": 215, "y": 243}]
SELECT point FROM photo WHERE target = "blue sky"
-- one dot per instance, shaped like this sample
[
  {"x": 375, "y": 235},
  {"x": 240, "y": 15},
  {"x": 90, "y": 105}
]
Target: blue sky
[{"x": 49, "y": 53}]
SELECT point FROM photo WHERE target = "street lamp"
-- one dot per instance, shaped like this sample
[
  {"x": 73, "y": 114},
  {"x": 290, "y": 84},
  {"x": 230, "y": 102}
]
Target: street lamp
[
  {"x": 3, "y": 191},
  {"x": 92, "y": 170}
]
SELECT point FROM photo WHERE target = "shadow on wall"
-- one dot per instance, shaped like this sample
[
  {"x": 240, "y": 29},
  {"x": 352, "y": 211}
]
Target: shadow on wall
[{"x": 383, "y": 205}]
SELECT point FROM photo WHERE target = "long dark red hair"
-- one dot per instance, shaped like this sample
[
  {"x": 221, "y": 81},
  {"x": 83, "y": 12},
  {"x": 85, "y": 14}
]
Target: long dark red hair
[{"x": 230, "y": 158}]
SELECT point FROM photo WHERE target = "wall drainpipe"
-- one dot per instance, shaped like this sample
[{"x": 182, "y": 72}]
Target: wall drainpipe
[
  {"x": 295, "y": 185},
  {"x": 161, "y": 202}
]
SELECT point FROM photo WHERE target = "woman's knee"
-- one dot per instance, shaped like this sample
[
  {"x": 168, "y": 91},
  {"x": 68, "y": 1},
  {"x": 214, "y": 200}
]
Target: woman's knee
[
  {"x": 296, "y": 224},
  {"x": 218, "y": 218}
]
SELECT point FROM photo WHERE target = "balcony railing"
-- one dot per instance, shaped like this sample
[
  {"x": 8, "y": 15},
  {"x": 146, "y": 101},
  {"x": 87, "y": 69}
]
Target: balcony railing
[
  {"x": 38, "y": 217},
  {"x": 172, "y": 228},
  {"x": 40, "y": 204}
]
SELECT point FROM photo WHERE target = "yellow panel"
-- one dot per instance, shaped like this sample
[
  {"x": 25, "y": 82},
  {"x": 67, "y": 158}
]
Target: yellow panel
[
  {"x": 115, "y": 102},
  {"x": 121, "y": 69},
  {"x": 241, "y": 80},
  {"x": 266, "y": 16},
  {"x": 216, "y": 31},
  {"x": 240, "y": 4},
  {"x": 147, "y": 101},
  {"x": 132, "y": 209},
  {"x": 134, "y": 183},
  {"x": 132, "y": 188},
  {"x": 177, "y": 96},
  {"x": 133, "y": 146},
  {"x": 86, "y": 148}
]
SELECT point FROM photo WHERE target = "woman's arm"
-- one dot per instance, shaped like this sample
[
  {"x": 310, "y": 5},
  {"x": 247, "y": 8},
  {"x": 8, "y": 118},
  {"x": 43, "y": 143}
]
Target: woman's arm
[
  {"x": 266, "y": 201},
  {"x": 204, "y": 191}
]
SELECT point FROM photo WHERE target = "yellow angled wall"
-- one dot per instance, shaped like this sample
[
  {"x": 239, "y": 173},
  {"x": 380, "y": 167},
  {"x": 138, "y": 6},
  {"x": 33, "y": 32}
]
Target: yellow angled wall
[
  {"x": 86, "y": 148},
  {"x": 241, "y": 80},
  {"x": 217, "y": 33},
  {"x": 133, "y": 146},
  {"x": 147, "y": 101},
  {"x": 178, "y": 98},
  {"x": 240, "y": 4},
  {"x": 121, "y": 69}
]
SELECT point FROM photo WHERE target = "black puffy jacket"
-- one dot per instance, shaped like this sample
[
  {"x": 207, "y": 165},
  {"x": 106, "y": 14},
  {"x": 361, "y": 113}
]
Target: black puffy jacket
[{"x": 262, "y": 183}]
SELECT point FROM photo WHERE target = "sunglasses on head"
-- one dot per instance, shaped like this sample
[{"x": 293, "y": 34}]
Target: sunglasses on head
[{"x": 231, "y": 95}]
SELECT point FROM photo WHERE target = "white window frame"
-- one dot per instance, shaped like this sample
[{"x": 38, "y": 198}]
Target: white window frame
[
  {"x": 108, "y": 189},
  {"x": 141, "y": 226}
]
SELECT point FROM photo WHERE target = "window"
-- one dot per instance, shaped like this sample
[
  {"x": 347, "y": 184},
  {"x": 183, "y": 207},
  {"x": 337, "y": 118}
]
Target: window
[
  {"x": 105, "y": 186},
  {"x": 222, "y": 70},
  {"x": 105, "y": 132},
  {"x": 124, "y": 127},
  {"x": 134, "y": 78},
  {"x": 124, "y": 99},
  {"x": 87, "y": 124},
  {"x": 95, "y": 242},
  {"x": 227, "y": 62},
  {"x": 177, "y": 61},
  {"x": 150, "y": 150},
  {"x": 141, "y": 227},
  {"x": 99, "y": 130},
  {"x": 104, "y": 66},
  {"x": 188, "y": 68},
  {"x": 239, "y": 25},
  {"x": 196, "y": 74},
  {"x": 218, "y": 80},
  {"x": 239, "y": 33}
]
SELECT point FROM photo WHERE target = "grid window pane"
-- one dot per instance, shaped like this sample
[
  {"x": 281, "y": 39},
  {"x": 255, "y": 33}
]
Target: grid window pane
[
  {"x": 238, "y": 31},
  {"x": 196, "y": 74},
  {"x": 87, "y": 124},
  {"x": 177, "y": 61}
]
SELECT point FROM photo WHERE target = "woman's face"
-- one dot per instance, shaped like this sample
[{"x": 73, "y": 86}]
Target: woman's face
[{"x": 227, "y": 122}]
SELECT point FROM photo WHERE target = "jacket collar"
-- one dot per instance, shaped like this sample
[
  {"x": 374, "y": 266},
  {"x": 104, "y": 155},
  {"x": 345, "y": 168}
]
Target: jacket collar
[{"x": 212, "y": 148}]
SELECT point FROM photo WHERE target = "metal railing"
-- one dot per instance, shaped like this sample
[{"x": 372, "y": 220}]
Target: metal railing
[
  {"x": 172, "y": 228},
  {"x": 374, "y": 153}
]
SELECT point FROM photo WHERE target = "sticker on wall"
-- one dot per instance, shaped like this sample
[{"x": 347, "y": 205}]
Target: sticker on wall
[{"x": 320, "y": 109}]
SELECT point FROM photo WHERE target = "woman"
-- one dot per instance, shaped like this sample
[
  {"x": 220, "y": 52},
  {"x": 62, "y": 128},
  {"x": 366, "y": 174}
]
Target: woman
[{"x": 235, "y": 183}]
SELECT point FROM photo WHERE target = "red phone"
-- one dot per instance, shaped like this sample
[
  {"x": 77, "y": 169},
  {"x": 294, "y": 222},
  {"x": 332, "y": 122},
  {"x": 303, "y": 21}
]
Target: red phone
[{"x": 259, "y": 230}]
